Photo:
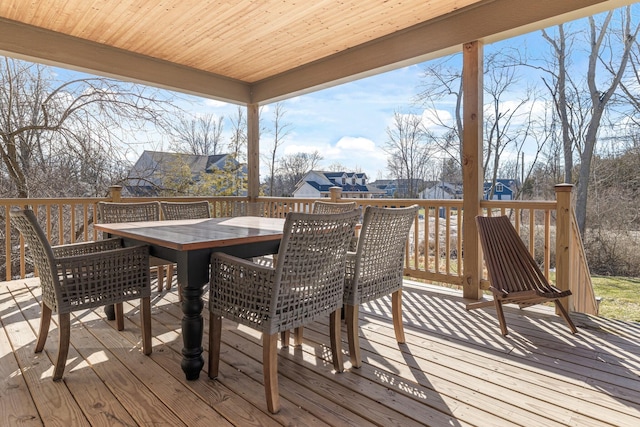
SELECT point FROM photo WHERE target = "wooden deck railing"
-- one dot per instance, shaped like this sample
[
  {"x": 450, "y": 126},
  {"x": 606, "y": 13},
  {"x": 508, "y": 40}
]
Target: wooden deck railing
[{"x": 434, "y": 251}]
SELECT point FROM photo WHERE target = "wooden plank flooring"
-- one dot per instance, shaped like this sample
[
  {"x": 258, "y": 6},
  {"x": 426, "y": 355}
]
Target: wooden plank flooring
[{"x": 455, "y": 370}]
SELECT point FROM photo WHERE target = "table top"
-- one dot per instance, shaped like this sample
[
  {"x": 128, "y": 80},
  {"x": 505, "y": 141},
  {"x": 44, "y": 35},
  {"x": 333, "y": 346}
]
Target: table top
[{"x": 193, "y": 234}]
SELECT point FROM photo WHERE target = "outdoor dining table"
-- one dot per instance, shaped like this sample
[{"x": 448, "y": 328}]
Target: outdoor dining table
[{"x": 190, "y": 243}]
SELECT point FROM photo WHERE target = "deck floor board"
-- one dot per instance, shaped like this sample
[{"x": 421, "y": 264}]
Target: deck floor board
[{"x": 455, "y": 369}]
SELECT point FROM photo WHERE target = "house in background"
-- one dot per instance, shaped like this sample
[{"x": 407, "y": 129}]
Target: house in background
[
  {"x": 147, "y": 176},
  {"x": 388, "y": 187},
  {"x": 505, "y": 189},
  {"x": 316, "y": 184},
  {"x": 442, "y": 190},
  {"x": 400, "y": 188}
]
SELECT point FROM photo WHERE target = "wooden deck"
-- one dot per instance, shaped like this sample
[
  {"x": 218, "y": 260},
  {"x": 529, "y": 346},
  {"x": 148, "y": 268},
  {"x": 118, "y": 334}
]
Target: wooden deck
[{"x": 455, "y": 370}]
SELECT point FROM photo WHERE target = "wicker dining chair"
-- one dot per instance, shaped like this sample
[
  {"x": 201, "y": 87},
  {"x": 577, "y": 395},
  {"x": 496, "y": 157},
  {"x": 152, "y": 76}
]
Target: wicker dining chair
[
  {"x": 82, "y": 276},
  {"x": 321, "y": 207},
  {"x": 376, "y": 268},
  {"x": 185, "y": 210},
  {"x": 306, "y": 284},
  {"x": 112, "y": 212},
  {"x": 248, "y": 209},
  {"x": 513, "y": 273}
]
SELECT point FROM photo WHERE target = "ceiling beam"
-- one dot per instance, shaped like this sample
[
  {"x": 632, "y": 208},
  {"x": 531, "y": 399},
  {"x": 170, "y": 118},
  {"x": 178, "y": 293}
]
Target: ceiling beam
[
  {"x": 52, "y": 48},
  {"x": 486, "y": 21}
]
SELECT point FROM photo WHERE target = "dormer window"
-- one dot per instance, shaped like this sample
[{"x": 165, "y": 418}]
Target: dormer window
[
  {"x": 499, "y": 188},
  {"x": 344, "y": 180},
  {"x": 353, "y": 180}
]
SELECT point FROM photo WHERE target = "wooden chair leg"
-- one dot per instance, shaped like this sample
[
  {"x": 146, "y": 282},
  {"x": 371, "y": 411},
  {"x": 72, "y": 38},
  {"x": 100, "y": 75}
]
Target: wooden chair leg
[
  {"x": 284, "y": 338},
  {"x": 500, "y": 314},
  {"x": 215, "y": 336},
  {"x": 298, "y": 335},
  {"x": 396, "y": 310},
  {"x": 45, "y": 321},
  {"x": 145, "y": 322},
  {"x": 160, "y": 269},
  {"x": 352, "y": 335},
  {"x": 565, "y": 315},
  {"x": 270, "y": 370},
  {"x": 119, "y": 316},
  {"x": 336, "y": 341},
  {"x": 64, "y": 326},
  {"x": 170, "y": 271}
]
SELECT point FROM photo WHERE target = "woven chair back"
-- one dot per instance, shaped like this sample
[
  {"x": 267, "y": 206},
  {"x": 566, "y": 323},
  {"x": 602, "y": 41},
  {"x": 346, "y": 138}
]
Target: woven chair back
[
  {"x": 321, "y": 207},
  {"x": 311, "y": 265},
  {"x": 378, "y": 266},
  {"x": 185, "y": 210},
  {"x": 306, "y": 283},
  {"x": 111, "y": 212},
  {"x": 41, "y": 253}
]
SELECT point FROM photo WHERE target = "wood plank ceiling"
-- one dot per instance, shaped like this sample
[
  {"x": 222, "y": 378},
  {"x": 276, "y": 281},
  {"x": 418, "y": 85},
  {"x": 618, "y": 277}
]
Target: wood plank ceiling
[{"x": 260, "y": 51}]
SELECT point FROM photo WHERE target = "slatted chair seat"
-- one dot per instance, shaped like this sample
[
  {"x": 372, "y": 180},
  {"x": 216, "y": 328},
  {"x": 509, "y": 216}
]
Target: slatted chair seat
[{"x": 514, "y": 275}]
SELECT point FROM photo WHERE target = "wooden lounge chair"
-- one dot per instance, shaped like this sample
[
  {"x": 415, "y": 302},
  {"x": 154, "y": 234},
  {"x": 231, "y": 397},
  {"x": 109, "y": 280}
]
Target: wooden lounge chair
[{"x": 514, "y": 275}]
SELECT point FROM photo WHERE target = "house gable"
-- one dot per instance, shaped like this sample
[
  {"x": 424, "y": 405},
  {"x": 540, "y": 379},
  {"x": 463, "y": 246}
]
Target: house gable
[{"x": 147, "y": 174}]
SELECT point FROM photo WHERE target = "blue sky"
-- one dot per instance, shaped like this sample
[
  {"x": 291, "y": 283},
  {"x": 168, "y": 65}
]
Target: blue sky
[{"x": 346, "y": 124}]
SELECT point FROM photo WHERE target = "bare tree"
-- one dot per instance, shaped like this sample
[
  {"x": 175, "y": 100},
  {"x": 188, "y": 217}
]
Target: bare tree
[
  {"x": 409, "y": 152},
  {"x": 238, "y": 151},
  {"x": 293, "y": 167},
  {"x": 279, "y": 129},
  {"x": 77, "y": 126},
  {"x": 201, "y": 135},
  {"x": 581, "y": 116},
  {"x": 442, "y": 81},
  {"x": 507, "y": 124}
]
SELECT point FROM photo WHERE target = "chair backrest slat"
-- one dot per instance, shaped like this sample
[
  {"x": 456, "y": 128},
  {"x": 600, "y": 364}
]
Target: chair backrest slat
[{"x": 510, "y": 266}]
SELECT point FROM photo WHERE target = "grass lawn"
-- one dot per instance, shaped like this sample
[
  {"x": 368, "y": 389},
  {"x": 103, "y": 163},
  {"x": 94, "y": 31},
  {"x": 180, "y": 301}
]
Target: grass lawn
[{"x": 620, "y": 297}]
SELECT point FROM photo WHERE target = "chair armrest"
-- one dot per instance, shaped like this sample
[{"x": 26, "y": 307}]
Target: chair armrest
[
  {"x": 84, "y": 248},
  {"x": 239, "y": 286},
  {"x": 104, "y": 277}
]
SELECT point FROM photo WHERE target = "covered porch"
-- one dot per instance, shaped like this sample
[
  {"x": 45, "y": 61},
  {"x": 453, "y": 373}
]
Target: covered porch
[
  {"x": 263, "y": 52},
  {"x": 456, "y": 370}
]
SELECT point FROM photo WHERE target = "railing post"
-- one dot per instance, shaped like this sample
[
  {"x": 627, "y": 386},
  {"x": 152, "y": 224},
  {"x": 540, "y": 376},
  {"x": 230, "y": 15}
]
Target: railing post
[
  {"x": 335, "y": 193},
  {"x": 563, "y": 239},
  {"x": 115, "y": 193}
]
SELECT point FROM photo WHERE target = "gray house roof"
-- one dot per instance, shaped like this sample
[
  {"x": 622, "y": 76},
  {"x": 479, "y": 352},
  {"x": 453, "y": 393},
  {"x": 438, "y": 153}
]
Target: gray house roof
[{"x": 145, "y": 177}]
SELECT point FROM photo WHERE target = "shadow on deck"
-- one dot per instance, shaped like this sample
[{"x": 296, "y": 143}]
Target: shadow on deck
[{"x": 455, "y": 369}]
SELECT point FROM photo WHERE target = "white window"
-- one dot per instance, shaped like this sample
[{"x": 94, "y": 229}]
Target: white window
[{"x": 499, "y": 188}]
